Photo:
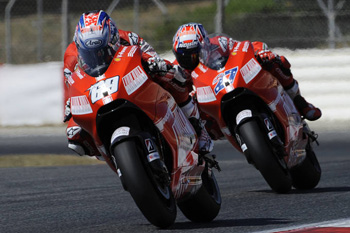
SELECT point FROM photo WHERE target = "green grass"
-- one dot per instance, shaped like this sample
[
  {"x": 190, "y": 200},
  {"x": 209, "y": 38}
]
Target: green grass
[{"x": 46, "y": 160}]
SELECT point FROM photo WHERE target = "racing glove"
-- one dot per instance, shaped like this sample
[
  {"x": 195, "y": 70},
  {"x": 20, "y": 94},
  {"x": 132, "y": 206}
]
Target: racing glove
[
  {"x": 67, "y": 111},
  {"x": 157, "y": 65},
  {"x": 277, "y": 65},
  {"x": 266, "y": 58},
  {"x": 180, "y": 75},
  {"x": 68, "y": 76}
]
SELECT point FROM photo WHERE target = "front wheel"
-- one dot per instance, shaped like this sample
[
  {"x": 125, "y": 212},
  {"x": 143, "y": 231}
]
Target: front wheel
[
  {"x": 153, "y": 198},
  {"x": 205, "y": 205},
  {"x": 259, "y": 150}
]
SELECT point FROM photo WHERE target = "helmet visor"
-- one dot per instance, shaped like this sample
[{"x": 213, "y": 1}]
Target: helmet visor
[
  {"x": 188, "y": 58},
  {"x": 95, "y": 62}
]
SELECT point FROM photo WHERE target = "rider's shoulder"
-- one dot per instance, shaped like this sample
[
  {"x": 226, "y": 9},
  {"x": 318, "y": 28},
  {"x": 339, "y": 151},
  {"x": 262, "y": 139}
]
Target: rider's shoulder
[{"x": 129, "y": 37}]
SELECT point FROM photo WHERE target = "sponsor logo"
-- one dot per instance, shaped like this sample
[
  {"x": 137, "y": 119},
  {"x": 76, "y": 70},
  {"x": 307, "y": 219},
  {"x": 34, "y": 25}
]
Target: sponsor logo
[
  {"x": 272, "y": 134},
  {"x": 134, "y": 79},
  {"x": 243, "y": 114},
  {"x": 72, "y": 131},
  {"x": 149, "y": 145},
  {"x": 231, "y": 43},
  {"x": 79, "y": 74},
  {"x": 268, "y": 124},
  {"x": 250, "y": 70},
  {"x": 121, "y": 131},
  {"x": 188, "y": 45},
  {"x": 93, "y": 43},
  {"x": 107, "y": 100},
  {"x": 237, "y": 47},
  {"x": 153, "y": 156},
  {"x": 245, "y": 47},
  {"x": 194, "y": 75},
  {"x": 132, "y": 51},
  {"x": 121, "y": 53},
  {"x": 80, "y": 105},
  {"x": 202, "y": 68},
  {"x": 205, "y": 94}
]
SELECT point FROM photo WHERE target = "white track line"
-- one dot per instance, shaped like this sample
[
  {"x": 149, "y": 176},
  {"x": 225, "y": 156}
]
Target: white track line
[{"x": 345, "y": 222}]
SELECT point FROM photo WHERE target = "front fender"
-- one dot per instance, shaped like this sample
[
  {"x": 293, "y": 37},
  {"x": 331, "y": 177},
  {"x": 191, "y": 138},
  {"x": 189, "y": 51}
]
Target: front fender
[
  {"x": 238, "y": 100},
  {"x": 243, "y": 105},
  {"x": 121, "y": 113}
]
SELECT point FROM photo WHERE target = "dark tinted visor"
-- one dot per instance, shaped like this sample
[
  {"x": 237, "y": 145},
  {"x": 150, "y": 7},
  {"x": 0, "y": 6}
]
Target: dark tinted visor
[
  {"x": 95, "y": 62},
  {"x": 188, "y": 59}
]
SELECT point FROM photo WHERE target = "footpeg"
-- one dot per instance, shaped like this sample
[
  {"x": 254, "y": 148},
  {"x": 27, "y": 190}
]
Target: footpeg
[{"x": 212, "y": 163}]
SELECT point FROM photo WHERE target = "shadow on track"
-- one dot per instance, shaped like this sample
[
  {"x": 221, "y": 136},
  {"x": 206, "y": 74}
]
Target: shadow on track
[
  {"x": 229, "y": 223},
  {"x": 315, "y": 190}
]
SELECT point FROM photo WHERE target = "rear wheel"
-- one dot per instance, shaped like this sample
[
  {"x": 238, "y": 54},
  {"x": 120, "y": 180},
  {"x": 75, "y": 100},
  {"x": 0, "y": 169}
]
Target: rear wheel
[
  {"x": 205, "y": 205},
  {"x": 307, "y": 174},
  {"x": 273, "y": 169},
  {"x": 153, "y": 197}
]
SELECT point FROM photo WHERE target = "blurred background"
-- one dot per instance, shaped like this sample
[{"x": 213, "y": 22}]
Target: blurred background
[
  {"x": 313, "y": 34},
  {"x": 34, "y": 31}
]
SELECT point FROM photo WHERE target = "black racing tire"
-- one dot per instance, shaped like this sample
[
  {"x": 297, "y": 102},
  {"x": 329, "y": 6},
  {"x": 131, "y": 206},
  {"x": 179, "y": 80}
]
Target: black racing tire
[
  {"x": 307, "y": 174},
  {"x": 155, "y": 200},
  {"x": 273, "y": 169},
  {"x": 205, "y": 205}
]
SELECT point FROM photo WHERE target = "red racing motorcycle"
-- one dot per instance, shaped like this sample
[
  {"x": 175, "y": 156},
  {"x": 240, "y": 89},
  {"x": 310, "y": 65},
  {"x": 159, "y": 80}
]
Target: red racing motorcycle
[
  {"x": 248, "y": 106},
  {"x": 145, "y": 138}
]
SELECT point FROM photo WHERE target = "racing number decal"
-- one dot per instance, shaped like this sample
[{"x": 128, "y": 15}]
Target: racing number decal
[
  {"x": 226, "y": 79},
  {"x": 103, "y": 88}
]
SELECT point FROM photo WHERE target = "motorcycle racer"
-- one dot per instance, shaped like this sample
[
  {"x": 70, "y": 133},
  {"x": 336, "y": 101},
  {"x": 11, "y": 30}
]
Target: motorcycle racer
[
  {"x": 96, "y": 41},
  {"x": 190, "y": 38}
]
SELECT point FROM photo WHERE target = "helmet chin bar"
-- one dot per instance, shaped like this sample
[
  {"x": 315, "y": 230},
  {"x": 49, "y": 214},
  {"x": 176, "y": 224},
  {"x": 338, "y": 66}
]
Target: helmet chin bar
[{"x": 97, "y": 71}]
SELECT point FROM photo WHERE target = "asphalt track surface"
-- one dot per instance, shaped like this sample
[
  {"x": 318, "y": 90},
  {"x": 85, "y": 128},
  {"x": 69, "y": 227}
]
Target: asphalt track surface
[{"x": 91, "y": 199}]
